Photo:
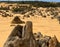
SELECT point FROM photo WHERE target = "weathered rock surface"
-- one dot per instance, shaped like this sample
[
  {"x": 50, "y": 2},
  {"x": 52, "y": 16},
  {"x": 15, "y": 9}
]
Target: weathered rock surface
[{"x": 20, "y": 38}]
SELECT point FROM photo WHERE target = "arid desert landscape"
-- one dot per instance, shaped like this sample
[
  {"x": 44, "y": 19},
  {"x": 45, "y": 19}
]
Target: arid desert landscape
[{"x": 45, "y": 20}]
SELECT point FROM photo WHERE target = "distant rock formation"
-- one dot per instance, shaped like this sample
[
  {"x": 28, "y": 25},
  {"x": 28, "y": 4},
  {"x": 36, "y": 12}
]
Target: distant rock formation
[{"x": 17, "y": 20}]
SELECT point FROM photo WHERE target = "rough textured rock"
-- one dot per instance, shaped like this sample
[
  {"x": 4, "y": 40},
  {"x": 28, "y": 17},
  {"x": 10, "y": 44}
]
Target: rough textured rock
[
  {"x": 42, "y": 41},
  {"x": 17, "y": 31},
  {"x": 47, "y": 38},
  {"x": 21, "y": 37},
  {"x": 28, "y": 30},
  {"x": 29, "y": 37},
  {"x": 14, "y": 42},
  {"x": 38, "y": 35},
  {"x": 44, "y": 45},
  {"x": 53, "y": 42},
  {"x": 14, "y": 37}
]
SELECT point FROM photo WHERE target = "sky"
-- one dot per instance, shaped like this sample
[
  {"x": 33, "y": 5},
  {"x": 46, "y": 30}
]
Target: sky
[{"x": 34, "y": 0}]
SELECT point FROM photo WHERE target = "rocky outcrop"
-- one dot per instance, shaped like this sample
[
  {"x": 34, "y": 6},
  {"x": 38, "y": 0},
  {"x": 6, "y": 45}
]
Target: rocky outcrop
[
  {"x": 53, "y": 42},
  {"x": 46, "y": 41},
  {"x": 21, "y": 37}
]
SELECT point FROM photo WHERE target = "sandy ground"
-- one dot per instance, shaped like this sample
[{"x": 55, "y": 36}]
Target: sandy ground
[{"x": 46, "y": 26}]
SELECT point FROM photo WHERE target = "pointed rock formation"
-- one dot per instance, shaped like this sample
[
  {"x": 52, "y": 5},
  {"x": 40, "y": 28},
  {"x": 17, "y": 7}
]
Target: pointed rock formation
[
  {"x": 15, "y": 38},
  {"x": 17, "y": 20},
  {"x": 17, "y": 31},
  {"x": 28, "y": 35},
  {"x": 20, "y": 38}
]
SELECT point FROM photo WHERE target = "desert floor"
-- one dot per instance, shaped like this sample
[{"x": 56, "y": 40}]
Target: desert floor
[{"x": 46, "y": 26}]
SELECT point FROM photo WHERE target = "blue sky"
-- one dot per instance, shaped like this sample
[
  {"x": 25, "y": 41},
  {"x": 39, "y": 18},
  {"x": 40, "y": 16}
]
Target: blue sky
[
  {"x": 52, "y": 0},
  {"x": 34, "y": 0}
]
